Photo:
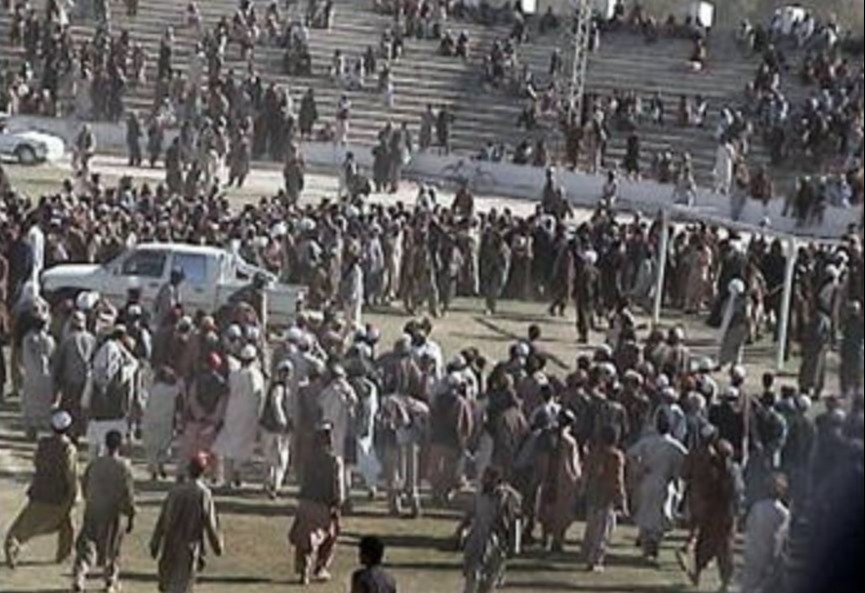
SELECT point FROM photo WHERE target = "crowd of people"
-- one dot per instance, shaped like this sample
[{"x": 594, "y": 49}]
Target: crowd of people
[
  {"x": 825, "y": 132},
  {"x": 91, "y": 80},
  {"x": 326, "y": 401}
]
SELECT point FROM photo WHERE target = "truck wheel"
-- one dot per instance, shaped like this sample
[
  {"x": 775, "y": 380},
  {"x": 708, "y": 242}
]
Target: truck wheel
[{"x": 26, "y": 155}]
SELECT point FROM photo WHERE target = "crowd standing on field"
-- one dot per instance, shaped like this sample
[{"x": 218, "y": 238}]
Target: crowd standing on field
[{"x": 639, "y": 426}]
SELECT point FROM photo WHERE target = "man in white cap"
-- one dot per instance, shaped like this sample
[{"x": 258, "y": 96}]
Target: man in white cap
[
  {"x": 660, "y": 459},
  {"x": 37, "y": 386},
  {"x": 277, "y": 419},
  {"x": 73, "y": 364},
  {"x": 766, "y": 535},
  {"x": 236, "y": 442},
  {"x": 52, "y": 494},
  {"x": 338, "y": 403}
]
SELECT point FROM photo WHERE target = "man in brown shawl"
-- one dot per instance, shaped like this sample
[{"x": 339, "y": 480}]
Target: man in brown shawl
[
  {"x": 109, "y": 494},
  {"x": 558, "y": 497},
  {"x": 316, "y": 525},
  {"x": 717, "y": 522},
  {"x": 188, "y": 516},
  {"x": 451, "y": 427}
]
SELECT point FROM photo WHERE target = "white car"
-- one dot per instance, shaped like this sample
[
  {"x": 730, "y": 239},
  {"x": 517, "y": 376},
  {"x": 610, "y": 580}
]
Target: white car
[
  {"x": 28, "y": 147},
  {"x": 211, "y": 276}
]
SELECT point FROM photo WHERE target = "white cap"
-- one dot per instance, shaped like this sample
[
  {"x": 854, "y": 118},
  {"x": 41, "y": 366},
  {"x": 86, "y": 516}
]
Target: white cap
[
  {"x": 285, "y": 365},
  {"x": 253, "y": 333},
  {"x": 61, "y": 421},
  {"x": 669, "y": 394},
  {"x": 522, "y": 349},
  {"x": 234, "y": 332},
  {"x": 738, "y": 372},
  {"x": 294, "y": 335},
  {"x": 248, "y": 353},
  {"x": 737, "y": 286},
  {"x": 608, "y": 370},
  {"x": 705, "y": 365},
  {"x": 86, "y": 301},
  {"x": 458, "y": 362}
]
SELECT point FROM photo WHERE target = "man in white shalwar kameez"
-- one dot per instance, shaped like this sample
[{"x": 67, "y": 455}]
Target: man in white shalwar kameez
[
  {"x": 37, "y": 386},
  {"x": 367, "y": 393},
  {"x": 36, "y": 239},
  {"x": 765, "y": 536},
  {"x": 734, "y": 325},
  {"x": 659, "y": 458},
  {"x": 338, "y": 401},
  {"x": 723, "y": 172},
  {"x": 277, "y": 420},
  {"x": 236, "y": 442},
  {"x": 352, "y": 295}
]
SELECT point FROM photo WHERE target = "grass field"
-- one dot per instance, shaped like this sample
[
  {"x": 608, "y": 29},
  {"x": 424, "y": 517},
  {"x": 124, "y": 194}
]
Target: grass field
[{"x": 420, "y": 553}]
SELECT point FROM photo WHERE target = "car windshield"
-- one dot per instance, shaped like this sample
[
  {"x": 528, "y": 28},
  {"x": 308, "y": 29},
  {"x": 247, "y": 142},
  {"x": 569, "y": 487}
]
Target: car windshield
[{"x": 150, "y": 264}]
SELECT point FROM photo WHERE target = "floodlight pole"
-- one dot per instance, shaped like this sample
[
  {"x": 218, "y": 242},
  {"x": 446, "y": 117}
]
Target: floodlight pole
[
  {"x": 581, "y": 39},
  {"x": 786, "y": 301}
]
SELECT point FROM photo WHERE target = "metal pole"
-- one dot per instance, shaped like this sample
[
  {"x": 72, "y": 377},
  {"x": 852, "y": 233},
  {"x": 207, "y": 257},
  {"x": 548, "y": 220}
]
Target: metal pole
[
  {"x": 786, "y": 300},
  {"x": 663, "y": 252},
  {"x": 582, "y": 39}
]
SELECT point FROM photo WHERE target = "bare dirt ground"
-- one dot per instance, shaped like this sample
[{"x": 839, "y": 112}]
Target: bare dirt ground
[{"x": 420, "y": 552}]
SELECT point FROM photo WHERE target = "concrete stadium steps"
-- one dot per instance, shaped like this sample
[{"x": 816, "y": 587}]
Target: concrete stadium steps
[{"x": 625, "y": 62}]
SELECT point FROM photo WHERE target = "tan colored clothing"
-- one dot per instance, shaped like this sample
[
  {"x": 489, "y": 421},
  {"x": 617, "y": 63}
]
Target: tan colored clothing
[
  {"x": 605, "y": 477},
  {"x": 558, "y": 498},
  {"x": 315, "y": 528},
  {"x": 109, "y": 492},
  {"x": 188, "y": 517},
  {"x": 52, "y": 494}
]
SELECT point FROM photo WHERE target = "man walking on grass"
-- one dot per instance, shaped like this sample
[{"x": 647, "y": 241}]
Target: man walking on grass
[
  {"x": 188, "y": 516},
  {"x": 109, "y": 495},
  {"x": 52, "y": 494}
]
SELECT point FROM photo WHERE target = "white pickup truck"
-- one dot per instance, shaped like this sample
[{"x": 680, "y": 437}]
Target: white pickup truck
[{"x": 211, "y": 276}]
